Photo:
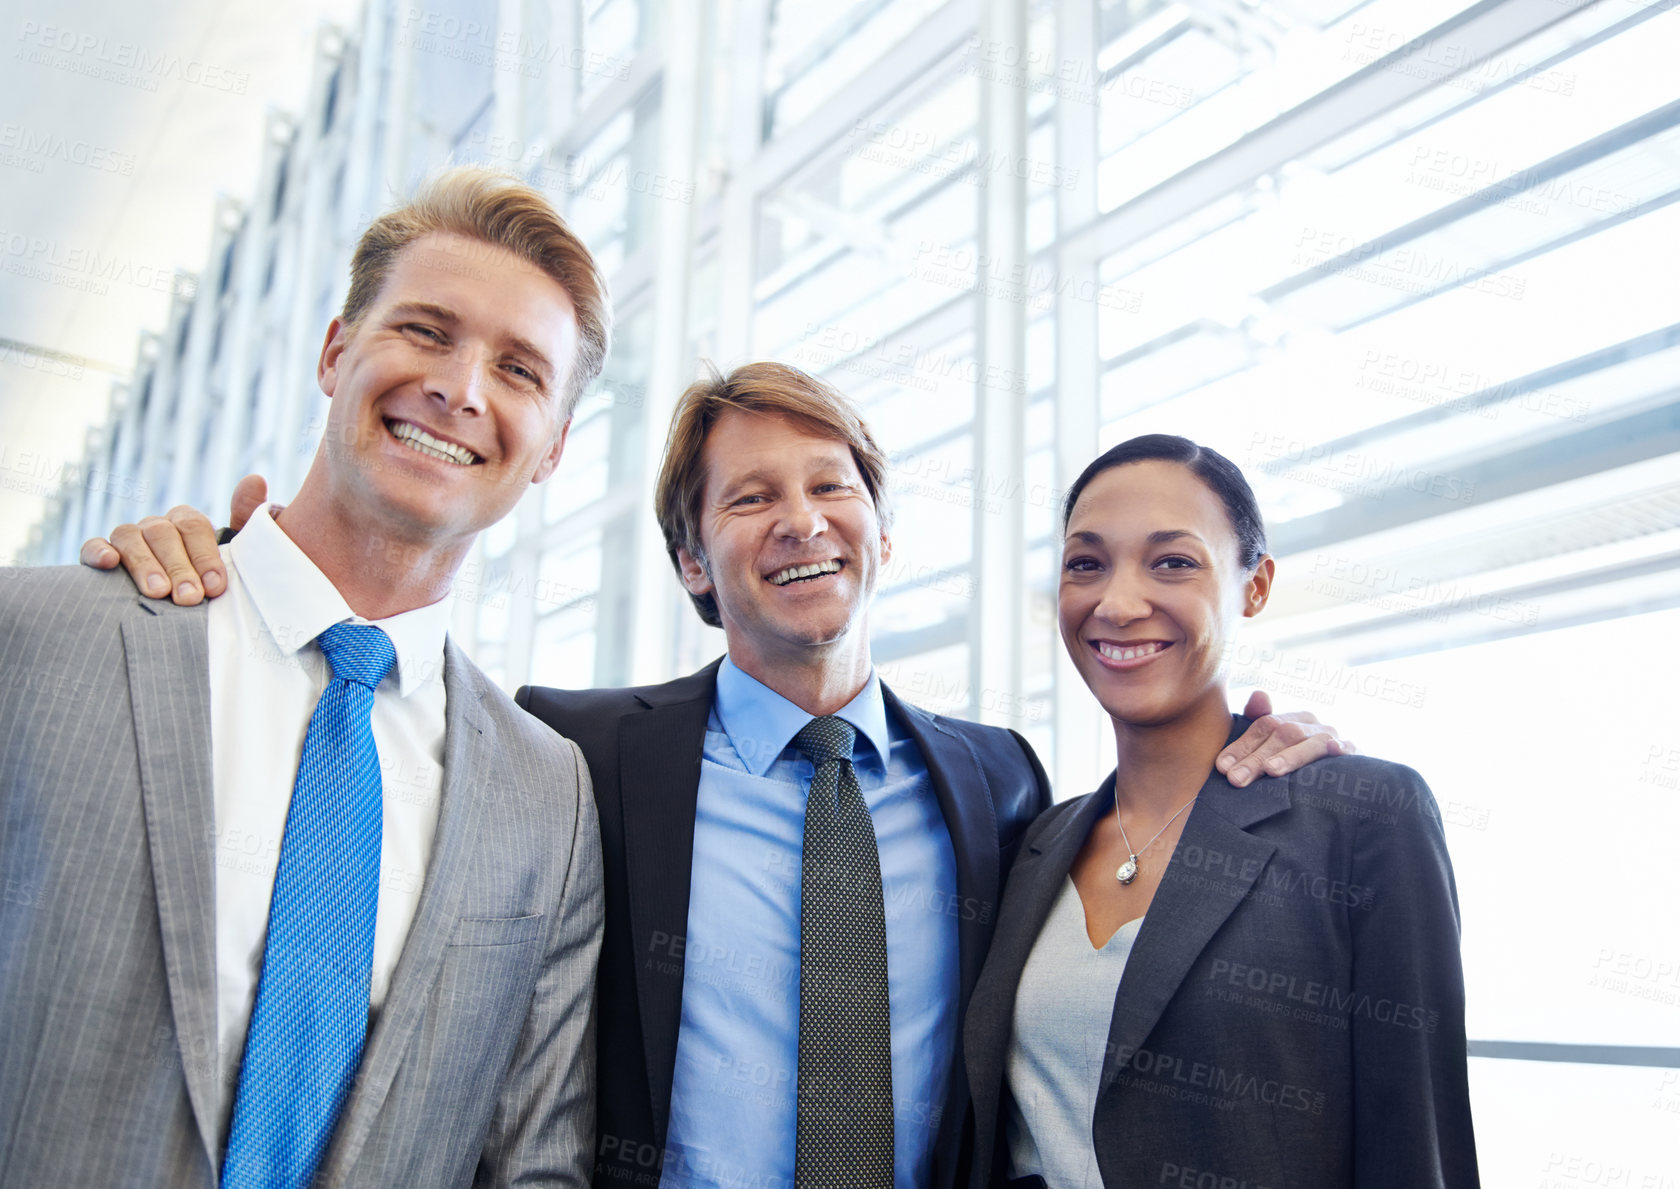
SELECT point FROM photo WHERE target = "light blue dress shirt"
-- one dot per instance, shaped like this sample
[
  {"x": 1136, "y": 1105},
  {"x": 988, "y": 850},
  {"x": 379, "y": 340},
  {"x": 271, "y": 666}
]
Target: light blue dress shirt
[{"x": 733, "y": 1116}]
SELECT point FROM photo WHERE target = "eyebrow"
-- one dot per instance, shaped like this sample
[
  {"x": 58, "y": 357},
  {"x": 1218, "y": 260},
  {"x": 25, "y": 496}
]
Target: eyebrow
[
  {"x": 760, "y": 475},
  {"x": 430, "y": 309},
  {"x": 1160, "y": 536},
  {"x": 750, "y": 479},
  {"x": 1163, "y": 536},
  {"x": 448, "y": 316},
  {"x": 746, "y": 480}
]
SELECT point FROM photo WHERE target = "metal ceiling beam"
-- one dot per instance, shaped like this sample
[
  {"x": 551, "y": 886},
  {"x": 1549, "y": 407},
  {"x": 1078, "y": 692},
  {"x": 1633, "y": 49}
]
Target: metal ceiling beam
[
  {"x": 900, "y": 70},
  {"x": 1478, "y": 33},
  {"x": 1552, "y": 376},
  {"x": 1650, "y": 433}
]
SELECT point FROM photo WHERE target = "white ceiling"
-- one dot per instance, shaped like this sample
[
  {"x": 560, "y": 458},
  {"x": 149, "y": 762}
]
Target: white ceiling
[{"x": 108, "y": 184}]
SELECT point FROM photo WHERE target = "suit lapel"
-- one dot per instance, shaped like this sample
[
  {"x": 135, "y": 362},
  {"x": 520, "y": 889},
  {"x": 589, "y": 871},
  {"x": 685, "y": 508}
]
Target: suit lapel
[
  {"x": 1214, "y": 866},
  {"x": 965, "y": 800},
  {"x": 659, "y": 781},
  {"x": 1034, "y": 883},
  {"x": 472, "y": 772},
  {"x": 168, "y": 655}
]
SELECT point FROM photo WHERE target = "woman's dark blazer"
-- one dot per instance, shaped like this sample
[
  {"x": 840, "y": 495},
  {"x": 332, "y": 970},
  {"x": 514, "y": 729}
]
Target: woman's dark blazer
[{"x": 1292, "y": 1013}]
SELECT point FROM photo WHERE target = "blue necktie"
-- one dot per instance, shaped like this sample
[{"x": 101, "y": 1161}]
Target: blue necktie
[{"x": 310, "y": 1018}]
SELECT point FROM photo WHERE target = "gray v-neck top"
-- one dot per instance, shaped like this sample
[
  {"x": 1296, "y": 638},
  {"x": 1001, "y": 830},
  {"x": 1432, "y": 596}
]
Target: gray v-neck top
[{"x": 1063, "y": 1006}]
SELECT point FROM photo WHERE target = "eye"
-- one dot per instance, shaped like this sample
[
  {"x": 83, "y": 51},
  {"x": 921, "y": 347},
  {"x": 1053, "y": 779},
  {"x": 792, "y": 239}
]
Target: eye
[
  {"x": 1080, "y": 564},
  {"x": 750, "y": 499},
  {"x": 1176, "y": 562},
  {"x": 523, "y": 372},
  {"x": 425, "y": 332}
]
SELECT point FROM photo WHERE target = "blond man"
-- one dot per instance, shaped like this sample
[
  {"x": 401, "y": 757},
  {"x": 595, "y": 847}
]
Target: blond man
[{"x": 302, "y": 897}]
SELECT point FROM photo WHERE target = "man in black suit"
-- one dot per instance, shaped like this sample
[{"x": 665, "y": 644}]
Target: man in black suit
[{"x": 772, "y": 500}]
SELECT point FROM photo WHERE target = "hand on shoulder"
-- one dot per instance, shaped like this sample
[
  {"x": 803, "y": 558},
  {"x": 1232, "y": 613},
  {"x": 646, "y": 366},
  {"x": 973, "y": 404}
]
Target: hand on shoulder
[{"x": 177, "y": 555}]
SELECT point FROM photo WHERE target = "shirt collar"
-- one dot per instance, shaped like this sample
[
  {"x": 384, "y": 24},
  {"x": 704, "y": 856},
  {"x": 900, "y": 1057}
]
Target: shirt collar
[
  {"x": 761, "y": 723},
  {"x": 297, "y": 603}
]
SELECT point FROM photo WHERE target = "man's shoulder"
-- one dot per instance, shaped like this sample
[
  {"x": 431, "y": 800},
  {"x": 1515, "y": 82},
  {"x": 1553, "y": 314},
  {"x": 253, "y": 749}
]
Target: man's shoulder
[
  {"x": 588, "y": 703},
  {"x": 994, "y": 744},
  {"x": 1007, "y": 765},
  {"x": 60, "y": 599},
  {"x": 976, "y": 732},
  {"x": 57, "y": 584},
  {"x": 514, "y": 727},
  {"x": 561, "y": 708}
]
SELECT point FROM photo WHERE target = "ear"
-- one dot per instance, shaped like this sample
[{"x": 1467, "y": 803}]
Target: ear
[
  {"x": 1258, "y": 588},
  {"x": 694, "y": 576},
  {"x": 886, "y": 546},
  {"x": 326, "y": 370},
  {"x": 551, "y": 459}
]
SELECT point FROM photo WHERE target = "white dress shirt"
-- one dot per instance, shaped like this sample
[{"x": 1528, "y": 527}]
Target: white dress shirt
[{"x": 266, "y": 675}]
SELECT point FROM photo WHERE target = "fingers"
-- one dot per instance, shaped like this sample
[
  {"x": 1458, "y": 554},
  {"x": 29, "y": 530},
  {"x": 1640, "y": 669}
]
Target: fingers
[
  {"x": 1259, "y": 704},
  {"x": 130, "y": 543},
  {"x": 97, "y": 553},
  {"x": 1299, "y": 755},
  {"x": 249, "y": 494},
  {"x": 169, "y": 555},
  {"x": 1267, "y": 747},
  {"x": 174, "y": 556},
  {"x": 198, "y": 538}
]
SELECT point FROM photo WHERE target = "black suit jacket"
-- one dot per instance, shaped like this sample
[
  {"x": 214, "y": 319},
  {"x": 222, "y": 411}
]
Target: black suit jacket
[
  {"x": 1292, "y": 1013},
  {"x": 643, "y": 746}
]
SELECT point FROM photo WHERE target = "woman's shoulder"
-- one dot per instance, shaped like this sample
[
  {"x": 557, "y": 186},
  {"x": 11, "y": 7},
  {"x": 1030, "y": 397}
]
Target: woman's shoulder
[{"x": 1364, "y": 789}]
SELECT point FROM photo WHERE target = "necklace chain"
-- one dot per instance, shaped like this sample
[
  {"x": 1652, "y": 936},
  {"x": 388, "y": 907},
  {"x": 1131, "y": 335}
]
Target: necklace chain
[{"x": 1129, "y": 869}]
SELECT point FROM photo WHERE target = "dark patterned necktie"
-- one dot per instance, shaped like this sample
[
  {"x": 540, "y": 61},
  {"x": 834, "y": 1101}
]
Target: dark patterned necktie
[{"x": 845, "y": 1104}]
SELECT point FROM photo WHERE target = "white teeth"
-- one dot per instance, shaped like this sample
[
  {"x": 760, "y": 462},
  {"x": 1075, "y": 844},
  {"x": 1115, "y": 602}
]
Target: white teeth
[
  {"x": 788, "y": 575},
  {"x": 418, "y": 439},
  {"x": 1116, "y": 653}
]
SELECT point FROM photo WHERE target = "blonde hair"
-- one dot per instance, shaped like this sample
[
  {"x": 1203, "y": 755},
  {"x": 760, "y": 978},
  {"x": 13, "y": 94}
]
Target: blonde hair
[
  {"x": 497, "y": 209},
  {"x": 774, "y": 389}
]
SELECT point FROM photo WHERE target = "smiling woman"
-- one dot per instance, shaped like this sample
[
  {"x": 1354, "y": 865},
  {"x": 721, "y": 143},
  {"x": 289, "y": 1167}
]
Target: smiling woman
[{"x": 1264, "y": 982}]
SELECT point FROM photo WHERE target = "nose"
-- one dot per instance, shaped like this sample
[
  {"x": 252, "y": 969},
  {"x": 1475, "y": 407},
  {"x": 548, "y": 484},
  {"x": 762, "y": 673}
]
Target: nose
[
  {"x": 456, "y": 380},
  {"x": 801, "y": 519},
  {"x": 1123, "y": 600}
]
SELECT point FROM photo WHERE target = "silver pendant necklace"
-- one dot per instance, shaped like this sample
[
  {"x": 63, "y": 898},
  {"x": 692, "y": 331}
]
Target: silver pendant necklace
[{"x": 1129, "y": 869}]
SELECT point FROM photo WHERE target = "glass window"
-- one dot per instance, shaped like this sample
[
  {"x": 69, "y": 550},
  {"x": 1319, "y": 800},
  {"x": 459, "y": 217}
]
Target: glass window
[
  {"x": 610, "y": 185},
  {"x": 1550, "y": 1123},
  {"x": 581, "y": 478},
  {"x": 817, "y": 46},
  {"x": 563, "y": 651},
  {"x": 937, "y": 680},
  {"x": 874, "y": 235},
  {"x": 454, "y": 55},
  {"x": 612, "y": 31}
]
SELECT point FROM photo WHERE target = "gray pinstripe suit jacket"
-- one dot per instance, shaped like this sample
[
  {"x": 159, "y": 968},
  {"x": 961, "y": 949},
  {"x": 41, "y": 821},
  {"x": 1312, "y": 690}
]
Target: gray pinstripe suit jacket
[{"x": 480, "y": 1067}]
